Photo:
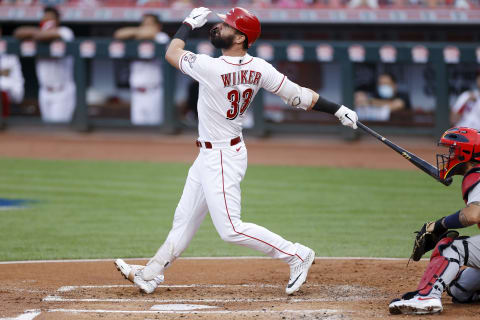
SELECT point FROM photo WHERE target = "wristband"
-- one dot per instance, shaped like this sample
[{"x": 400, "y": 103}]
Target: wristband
[
  {"x": 326, "y": 106},
  {"x": 453, "y": 221},
  {"x": 439, "y": 228},
  {"x": 183, "y": 32}
]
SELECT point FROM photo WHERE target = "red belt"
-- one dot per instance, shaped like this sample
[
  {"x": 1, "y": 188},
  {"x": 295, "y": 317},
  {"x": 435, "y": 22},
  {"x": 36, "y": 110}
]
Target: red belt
[
  {"x": 143, "y": 89},
  {"x": 209, "y": 145},
  {"x": 54, "y": 89}
]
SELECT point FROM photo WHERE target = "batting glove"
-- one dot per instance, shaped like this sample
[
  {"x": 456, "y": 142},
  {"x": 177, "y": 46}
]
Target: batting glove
[
  {"x": 347, "y": 117},
  {"x": 198, "y": 17}
]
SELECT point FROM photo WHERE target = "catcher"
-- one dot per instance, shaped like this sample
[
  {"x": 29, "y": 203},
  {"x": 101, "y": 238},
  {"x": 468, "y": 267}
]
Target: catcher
[{"x": 451, "y": 252}]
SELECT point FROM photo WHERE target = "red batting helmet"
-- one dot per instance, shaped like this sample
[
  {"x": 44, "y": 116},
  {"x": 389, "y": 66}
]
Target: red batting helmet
[
  {"x": 464, "y": 146},
  {"x": 244, "y": 21}
]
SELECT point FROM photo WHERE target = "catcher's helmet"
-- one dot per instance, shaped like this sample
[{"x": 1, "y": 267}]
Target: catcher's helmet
[
  {"x": 464, "y": 146},
  {"x": 244, "y": 21}
]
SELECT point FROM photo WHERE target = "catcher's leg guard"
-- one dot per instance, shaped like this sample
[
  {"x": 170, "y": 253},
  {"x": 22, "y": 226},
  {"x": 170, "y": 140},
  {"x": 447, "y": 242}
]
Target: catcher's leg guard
[
  {"x": 163, "y": 258},
  {"x": 440, "y": 271}
]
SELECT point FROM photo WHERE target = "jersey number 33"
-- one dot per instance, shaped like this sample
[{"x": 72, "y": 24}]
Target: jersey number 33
[{"x": 234, "y": 98}]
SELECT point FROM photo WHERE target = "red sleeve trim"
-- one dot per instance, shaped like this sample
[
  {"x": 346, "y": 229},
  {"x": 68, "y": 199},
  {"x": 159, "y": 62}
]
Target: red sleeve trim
[
  {"x": 180, "y": 62},
  {"x": 462, "y": 109},
  {"x": 280, "y": 85}
]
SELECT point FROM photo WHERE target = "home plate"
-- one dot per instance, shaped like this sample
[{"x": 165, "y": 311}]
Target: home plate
[{"x": 180, "y": 307}]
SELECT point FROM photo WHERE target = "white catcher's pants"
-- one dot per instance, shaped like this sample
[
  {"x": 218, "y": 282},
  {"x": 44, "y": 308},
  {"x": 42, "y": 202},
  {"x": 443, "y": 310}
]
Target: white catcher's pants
[{"x": 213, "y": 185}]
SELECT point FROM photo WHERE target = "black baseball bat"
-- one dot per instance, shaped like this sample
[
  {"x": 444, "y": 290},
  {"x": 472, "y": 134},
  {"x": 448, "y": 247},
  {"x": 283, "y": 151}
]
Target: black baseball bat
[{"x": 418, "y": 162}]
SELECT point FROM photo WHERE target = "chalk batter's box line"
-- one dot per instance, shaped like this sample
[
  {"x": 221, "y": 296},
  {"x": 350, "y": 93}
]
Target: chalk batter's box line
[
  {"x": 240, "y": 300},
  {"x": 323, "y": 311},
  {"x": 72, "y": 288},
  {"x": 52, "y": 298}
]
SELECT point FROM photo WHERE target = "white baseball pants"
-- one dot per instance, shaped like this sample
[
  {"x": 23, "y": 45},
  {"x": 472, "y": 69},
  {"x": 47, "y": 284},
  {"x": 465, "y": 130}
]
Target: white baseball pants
[
  {"x": 59, "y": 105},
  {"x": 213, "y": 185},
  {"x": 468, "y": 282},
  {"x": 147, "y": 107}
]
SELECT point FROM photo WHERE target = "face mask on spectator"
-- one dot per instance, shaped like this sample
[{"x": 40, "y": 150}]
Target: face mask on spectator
[
  {"x": 48, "y": 24},
  {"x": 385, "y": 91}
]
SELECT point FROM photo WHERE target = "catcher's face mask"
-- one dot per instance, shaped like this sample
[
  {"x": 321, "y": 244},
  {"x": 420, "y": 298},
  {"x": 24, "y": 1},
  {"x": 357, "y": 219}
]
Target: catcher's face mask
[
  {"x": 447, "y": 162},
  {"x": 462, "y": 145}
]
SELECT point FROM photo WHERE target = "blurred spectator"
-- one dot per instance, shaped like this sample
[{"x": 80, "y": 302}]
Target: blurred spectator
[
  {"x": 182, "y": 4},
  {"x": 462, "y": 4},
  {"x": 52, "y": 2},
  {"x": 146, "y": 81},
  {"x": 158, "y": 2},
  {"x": 363, "y": 3},
  {"x": 384, "y": 101},
  {"x": 57, "y": 94},
  {"x": 466, "y": 110},
  {"x": 290, "y": 4},
  {"x": 188, "y": 107},
  {"x": 261, "y": 4},
  {"x": 11, "y": 80}
]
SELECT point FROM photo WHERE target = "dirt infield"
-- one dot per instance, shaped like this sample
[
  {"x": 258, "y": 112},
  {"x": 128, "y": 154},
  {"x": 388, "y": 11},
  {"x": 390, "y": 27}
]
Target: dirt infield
[
  {"x": 224, "y": 288},
  {"x": 305, "y": 150},
  {"x": 227, "y": 289}
]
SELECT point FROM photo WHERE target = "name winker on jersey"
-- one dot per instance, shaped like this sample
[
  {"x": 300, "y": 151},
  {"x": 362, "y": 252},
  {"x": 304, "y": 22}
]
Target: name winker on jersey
[{"x": 231, "y": 79}]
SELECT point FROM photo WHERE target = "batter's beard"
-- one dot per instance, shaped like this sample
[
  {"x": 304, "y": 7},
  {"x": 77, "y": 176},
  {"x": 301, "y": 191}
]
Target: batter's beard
[{"x": 219, "y": 42}]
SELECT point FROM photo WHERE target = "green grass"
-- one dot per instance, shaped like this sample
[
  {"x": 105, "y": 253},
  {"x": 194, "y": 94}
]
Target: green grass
[{"x": 89, "y": 209}]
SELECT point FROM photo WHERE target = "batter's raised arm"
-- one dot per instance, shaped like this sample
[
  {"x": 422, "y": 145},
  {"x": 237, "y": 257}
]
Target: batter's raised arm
[
  {"x": 196, "y": 19},
  {"x": 307, "y": 99}
]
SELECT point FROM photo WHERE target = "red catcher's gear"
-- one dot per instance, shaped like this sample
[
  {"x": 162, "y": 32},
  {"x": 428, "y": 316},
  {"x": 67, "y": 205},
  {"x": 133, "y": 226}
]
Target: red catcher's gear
[
  {"x": 435, "y": 269},
  {"x": 464, "y": 146},
  {"x": 244, "y": 21},
  {"x": 470, "y": 181}
]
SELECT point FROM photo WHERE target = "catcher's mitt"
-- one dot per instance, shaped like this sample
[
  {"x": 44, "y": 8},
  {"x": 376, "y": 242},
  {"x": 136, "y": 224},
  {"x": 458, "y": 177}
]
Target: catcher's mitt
[{"x": 427, "y": 238}]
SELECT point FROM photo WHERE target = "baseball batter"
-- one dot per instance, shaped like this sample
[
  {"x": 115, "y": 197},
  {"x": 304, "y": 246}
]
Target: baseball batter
[
  {"x": 451, "y": 252},
  {"x": 228, "y": 85}
]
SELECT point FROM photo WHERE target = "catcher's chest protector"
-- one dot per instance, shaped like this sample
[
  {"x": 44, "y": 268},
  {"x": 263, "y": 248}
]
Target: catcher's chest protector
[{"x": 470, "y": 181}]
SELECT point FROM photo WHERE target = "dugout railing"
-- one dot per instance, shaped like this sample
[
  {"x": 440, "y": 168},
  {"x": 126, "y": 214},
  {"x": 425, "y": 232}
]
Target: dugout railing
[{"x": 346, "y": 54}]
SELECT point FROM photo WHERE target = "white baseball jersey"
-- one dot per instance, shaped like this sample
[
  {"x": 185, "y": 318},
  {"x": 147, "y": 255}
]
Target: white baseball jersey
[
  {"x": 11, "y": 78},
  {"x": 468, "y": 109},
  {"x": 55, "y": 72},
  {"x": 148, "y": 73},
  {"x": 227, "y": 88}
]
